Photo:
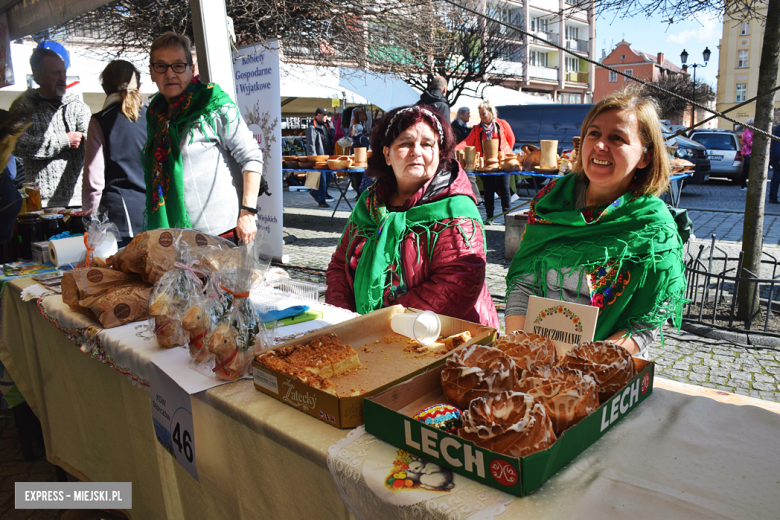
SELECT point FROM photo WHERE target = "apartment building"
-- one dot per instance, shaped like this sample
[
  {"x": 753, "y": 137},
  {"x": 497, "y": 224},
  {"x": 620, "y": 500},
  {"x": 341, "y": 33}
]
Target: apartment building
[
  {"x": 740, "y": 54},
  {"x": 641, "y": 65},
  {"x": 540, "y": 69}
]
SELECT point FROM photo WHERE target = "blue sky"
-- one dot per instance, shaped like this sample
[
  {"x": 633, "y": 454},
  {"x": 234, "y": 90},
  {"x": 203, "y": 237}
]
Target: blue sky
[{"x": 651, "y": 35}]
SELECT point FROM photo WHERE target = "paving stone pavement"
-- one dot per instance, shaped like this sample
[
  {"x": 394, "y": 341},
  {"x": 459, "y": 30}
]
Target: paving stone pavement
[{"x": 313, "y": 236}]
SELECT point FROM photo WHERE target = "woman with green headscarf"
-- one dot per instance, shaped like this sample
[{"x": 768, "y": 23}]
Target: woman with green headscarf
[
  {"x": 415, "y": 238},
  {"x": 201, "y": 163},
  {"x": 601, "y": 236}
]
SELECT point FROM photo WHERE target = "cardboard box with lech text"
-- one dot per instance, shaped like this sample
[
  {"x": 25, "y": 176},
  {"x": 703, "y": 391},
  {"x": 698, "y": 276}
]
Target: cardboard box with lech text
[{"x": 389, "y": 416}]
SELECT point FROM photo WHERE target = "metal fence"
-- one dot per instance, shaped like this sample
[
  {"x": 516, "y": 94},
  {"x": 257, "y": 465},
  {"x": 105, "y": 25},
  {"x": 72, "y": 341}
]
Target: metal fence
[{"x": 714, "y": 280}]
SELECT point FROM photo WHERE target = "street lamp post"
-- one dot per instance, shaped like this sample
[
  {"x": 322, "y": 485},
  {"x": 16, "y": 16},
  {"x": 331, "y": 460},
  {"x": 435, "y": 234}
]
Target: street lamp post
[{"x": 684, "y": 59}]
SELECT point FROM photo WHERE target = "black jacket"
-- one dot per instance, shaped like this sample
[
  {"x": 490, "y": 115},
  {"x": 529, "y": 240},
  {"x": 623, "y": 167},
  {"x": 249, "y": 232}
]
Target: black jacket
[
  {"x": 461, "y": 130},
  {"x": 437, "y": 100},
  {"x": 359, "y": 141}
]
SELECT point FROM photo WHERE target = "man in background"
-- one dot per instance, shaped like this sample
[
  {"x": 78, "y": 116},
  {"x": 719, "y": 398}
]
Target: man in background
[
  {"x": 359, "y": 140},
  {"x": 52, "y": 149},
  {"x": 461, "y": 128},
  {"x": 435, "y": 96},
  {"x": 319, "y": 141},
  {"x": 461, "y": 124}
]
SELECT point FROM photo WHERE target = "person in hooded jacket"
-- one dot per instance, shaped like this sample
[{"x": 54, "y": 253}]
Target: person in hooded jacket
[
  {"x": 415, "y": 237},
  {"x": 435, "y": 96}
]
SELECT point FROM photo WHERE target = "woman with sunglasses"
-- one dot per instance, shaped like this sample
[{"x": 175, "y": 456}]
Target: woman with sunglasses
[{"x": 201, "y": 163}]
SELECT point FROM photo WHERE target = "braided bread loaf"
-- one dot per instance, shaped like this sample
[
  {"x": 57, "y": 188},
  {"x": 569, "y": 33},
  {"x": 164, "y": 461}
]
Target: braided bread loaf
[
  {"x": 527, "y": 350},
  {"x": 511, "y": 423},
  {"x": 475, "y": 371},
  {"x": 610, "y": 365}
]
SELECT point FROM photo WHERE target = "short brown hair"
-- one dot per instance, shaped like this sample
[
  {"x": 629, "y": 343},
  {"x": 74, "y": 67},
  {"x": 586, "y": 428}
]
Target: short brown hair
[
  {"x": 653, "y": 179},
  {"x": 171, "y": 39},
  {"x": 438, "y": 83},
  {"x": 118, "y": 74}
]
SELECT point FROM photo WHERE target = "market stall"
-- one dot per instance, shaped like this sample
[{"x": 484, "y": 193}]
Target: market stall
[{"x": 686, "y": 452}]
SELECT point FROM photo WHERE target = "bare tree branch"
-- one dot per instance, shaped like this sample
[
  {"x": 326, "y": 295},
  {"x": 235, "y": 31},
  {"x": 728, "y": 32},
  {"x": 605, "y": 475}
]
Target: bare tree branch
[{"x": 413, "y": 40}]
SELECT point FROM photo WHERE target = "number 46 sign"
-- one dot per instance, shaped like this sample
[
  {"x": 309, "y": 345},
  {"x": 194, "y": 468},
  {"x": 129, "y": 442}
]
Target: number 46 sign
[{"x": 172, "y": 419}]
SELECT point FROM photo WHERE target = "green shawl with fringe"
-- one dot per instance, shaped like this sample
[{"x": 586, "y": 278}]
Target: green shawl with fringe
[
  {"x": 634, "y": 238},
  {"x": 162, "y": 158},
  {"x": 384, "y": 231}
]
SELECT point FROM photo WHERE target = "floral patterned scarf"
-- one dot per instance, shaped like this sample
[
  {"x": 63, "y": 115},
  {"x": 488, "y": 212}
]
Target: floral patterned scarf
[{"x": 634, "y": 230}]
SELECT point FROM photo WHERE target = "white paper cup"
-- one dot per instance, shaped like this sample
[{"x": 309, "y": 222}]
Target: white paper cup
[{"x": 423, "y": 327}]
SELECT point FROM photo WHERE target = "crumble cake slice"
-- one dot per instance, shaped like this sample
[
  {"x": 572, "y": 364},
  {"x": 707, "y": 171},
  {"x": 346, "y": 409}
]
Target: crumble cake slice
[{"x": 313, "y": 364}]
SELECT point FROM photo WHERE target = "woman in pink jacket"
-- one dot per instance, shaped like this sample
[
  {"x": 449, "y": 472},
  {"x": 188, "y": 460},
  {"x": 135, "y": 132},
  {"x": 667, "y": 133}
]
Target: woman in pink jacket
[
  {"x": 415, "y": 237},
  {"x": 747, "y": 149}
]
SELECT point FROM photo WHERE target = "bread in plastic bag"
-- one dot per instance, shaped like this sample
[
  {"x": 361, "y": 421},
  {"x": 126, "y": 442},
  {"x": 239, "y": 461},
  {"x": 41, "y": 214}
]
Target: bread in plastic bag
[
  {"x": 151, "y": 254},
  {"x": 171, "y": 298},
  {"x": 239, "y": 334}
]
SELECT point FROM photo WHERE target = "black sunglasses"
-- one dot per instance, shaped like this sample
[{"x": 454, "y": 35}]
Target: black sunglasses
[{"x": 162, "y": 68}]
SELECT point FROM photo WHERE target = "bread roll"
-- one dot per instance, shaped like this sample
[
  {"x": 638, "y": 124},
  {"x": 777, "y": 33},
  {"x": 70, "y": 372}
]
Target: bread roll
[
  {"x": 567, "y": 395},
  {"x": 511, "y": 423},
  {"x": 609, "y": 364},
  {"x": 527, "y": 350},
  {"x": 474, "y": 371}
]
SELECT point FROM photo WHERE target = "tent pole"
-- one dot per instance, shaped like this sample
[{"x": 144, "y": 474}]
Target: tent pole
[{"x": 212, "y": 42}]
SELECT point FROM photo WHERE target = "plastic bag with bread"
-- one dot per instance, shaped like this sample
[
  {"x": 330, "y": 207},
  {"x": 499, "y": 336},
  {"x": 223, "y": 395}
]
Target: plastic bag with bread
[
  {"x": 240, "y": 334},
  {"x": 172, "y": 296},
  {"x": 151, "y": 254}
]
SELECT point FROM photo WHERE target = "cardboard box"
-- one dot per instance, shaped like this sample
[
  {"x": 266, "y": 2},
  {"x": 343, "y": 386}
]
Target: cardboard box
[
  {"x": 387, "y": 365},
  {"x": 40, "y": 252},
  {"x": 389, "y": 417}
]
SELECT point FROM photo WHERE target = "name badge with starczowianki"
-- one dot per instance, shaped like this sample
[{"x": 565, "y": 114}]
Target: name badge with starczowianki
[{"x": 566, "y": 324}]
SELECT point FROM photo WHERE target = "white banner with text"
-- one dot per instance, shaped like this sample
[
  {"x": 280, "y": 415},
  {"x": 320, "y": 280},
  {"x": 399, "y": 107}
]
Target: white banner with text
[{"x": 256, "y": 73}]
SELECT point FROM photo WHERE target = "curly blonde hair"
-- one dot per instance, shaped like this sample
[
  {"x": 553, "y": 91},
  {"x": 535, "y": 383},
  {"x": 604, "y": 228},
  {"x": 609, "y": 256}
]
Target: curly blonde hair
[{"x": 654, "y": 178}]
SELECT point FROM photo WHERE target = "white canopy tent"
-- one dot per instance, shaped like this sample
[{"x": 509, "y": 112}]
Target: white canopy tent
[
  {"x": 304, "y": 88},
  {"x": 383, "y": 90}
]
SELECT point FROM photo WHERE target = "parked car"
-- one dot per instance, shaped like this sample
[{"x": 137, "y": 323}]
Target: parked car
[
  {"x": 723, "y": 150},
  {"x": 692, "y": 151}
]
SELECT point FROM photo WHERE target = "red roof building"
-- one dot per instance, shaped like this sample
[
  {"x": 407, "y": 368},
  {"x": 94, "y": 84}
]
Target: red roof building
[{"x": 639, "y": 64}]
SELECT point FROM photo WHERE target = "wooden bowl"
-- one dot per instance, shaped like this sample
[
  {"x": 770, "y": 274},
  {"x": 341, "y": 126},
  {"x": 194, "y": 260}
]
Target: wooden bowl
[
  {"x": 317, "y": 158},
  {"x": 339, "y": 164},
  {"x": 531, "y": 160},
  {"x": 305, "y": 165},
  {"x": 322, "y": 165}
]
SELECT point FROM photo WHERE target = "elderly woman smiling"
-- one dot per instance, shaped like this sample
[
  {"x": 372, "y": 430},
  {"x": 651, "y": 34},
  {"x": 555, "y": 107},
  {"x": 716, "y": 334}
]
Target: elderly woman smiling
[
  {"x": 600, "y": 236},
  {"x": 415, "y": 237},
  {"x": 201, "y": 162}
]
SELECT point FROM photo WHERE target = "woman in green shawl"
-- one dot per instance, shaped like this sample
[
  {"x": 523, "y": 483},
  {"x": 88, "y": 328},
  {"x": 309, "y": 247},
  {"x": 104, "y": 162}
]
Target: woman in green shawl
[
  {"x": 415, "y": 238},
  {"x": 201, "y": 163},
  {"x": 601, "y": 236}
]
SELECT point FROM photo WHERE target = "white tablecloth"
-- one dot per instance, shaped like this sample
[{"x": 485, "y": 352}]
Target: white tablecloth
[{"x": 131, "y": 348}]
